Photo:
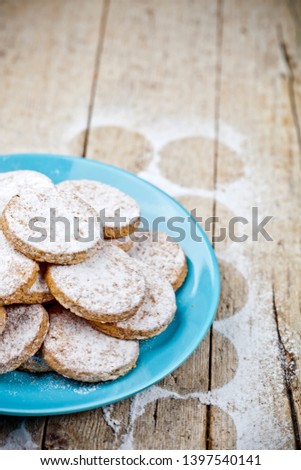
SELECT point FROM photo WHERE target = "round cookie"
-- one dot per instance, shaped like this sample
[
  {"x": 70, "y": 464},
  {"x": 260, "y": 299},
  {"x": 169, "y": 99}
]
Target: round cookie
[
  {"x": 108, "y": 287},
  {"x": 12, "y": 182},
  {"x": 52, "y": 225},
  {"x": 2, "y": 319},
  {"x": 125, "y": 243},
  {"x": 17, "y": 272},
  {"x": 110, "y": 199},
  {"x": 155, "y": 250},
  {"x": 35, "y": 364},
  {"x": 75, "y": 349},
  {"x": 25, "y": 330},
  {"x": 38, "y": 293},
  {"x": 154, "y": 315}
]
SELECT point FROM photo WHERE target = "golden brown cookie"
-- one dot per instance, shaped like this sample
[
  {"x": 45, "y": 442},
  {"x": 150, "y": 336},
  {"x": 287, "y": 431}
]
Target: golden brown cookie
[
  {"x": 125, "y": 243},
  {"x": 25, "y": 330},
  {"x": 154, "y": 315},
  {"x": 110, "y": 199},
  {"x": 12, "y": 182},
  {"x": 107, "y": 287},
  {"x": 35, "y": 364},
  {"x": 75, "y": 349},
  {"x": 52, "y": 225},
  {"x": 2, "y": 319},
  {"x": 17, "y": 272},
  {"x": 158, "y": 252},
  {"x": 38, "y": 293}
]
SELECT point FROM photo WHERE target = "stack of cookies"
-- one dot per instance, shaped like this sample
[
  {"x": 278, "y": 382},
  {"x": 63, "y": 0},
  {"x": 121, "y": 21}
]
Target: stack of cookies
[{"x": 78, "y": 287}]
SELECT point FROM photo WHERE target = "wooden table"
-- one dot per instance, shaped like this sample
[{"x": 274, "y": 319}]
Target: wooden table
[{"x": 202, "y": 98}]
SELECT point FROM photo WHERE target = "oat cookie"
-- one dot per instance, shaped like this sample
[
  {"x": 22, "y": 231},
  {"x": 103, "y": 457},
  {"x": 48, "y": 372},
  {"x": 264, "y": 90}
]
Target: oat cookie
[
  {"x": 38, "y": 293},
  {"x": 107, "y": 287},
  {"x": 74, "y": 236},
  {"x": 25, "y": 330},
  {"x": 103, "y": 196},
  {"x": 17, "y": 272},
  {"x": 75, "y": 349},
  {"x": 154, "y": 315},
  {"x": 161, "y": 254},
  {"x": 125, "y": 243},
  {"x": 35, "y": 364},
  {"x": 12, "y": 182}
]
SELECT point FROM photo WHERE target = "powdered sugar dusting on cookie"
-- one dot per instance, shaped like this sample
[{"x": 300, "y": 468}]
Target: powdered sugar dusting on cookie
[
  {"x": 75, "y": 229},
  {"x": 12, "y": 182},
  {"x": 22, "y": 327},
  {"x": 40, "y": 286},
  {"x": 15, "y": 268},
  {"x": 82, "y": 351},
  {"x": 155, "y": 250},
  {"x": 157, "y": 310},
  {"x": 108, "y": 283},
  {"x": 103, "y": 196}
]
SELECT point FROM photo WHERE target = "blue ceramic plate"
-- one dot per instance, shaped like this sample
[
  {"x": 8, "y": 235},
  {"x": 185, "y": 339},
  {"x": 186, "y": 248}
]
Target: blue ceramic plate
[{"x": 47, "y": 394}]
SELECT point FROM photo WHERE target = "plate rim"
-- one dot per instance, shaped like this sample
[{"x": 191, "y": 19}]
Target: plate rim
[{"x": 93, "y": 404}]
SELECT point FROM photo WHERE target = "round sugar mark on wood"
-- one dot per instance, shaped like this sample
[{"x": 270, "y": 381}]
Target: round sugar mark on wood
[
  {"x": 117, "y": 146},
  {"x": 234, "y": 291},
  {"x": 188, "y": 161},
  {"x": 202, "y": 209}
]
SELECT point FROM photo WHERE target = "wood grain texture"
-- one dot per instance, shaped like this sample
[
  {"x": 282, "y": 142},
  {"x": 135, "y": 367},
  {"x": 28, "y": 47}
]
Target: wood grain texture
[
  {"x": 264, "y": 39},
  {"x": 46, "y": 66},
  {"x": 203, "y": 99},
  {"x": 47, "y": 56}
]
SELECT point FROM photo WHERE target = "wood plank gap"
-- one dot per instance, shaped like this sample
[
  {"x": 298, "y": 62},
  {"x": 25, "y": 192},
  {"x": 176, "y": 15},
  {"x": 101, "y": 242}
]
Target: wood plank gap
[
  {"x": 291, "y": 82},
  {"x": 44, "y": 433},
  {"x": 285, "y": 364},
  {"x": 101, "y": 37},
  {"x": 218, "y": 78}
]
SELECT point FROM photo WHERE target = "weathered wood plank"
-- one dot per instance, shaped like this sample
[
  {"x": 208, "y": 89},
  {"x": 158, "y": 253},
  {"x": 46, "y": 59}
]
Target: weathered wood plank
[
  {"x": 46, "y": 66},
  {"x": 156, "y": 56},
  {"x": 96, "y": 429},
  {"x": 254, "y": 100},
  {"x": 47, "y": 56},
  {"x": 211, "y": 92}
]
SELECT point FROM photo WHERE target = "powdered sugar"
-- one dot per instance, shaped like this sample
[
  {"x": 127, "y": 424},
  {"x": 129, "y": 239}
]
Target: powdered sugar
[
  {"x": 35, "y": 364},
  {"x": 85, "y": 352},
  {"x": 12, "y": 182},
  {"x": 108, "y": 283},
  {"x": 15, "y": 269},
  {"x": 103, "y": 196},
  {"x": 40, "y": 286},
  {"x": 157, "y": 310},
  {"x": 125, "y": 243},
  {"x": 78, "y": 231},
  {"x": 22, "y": 327},
  {"x": 157, "y": 252}
]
